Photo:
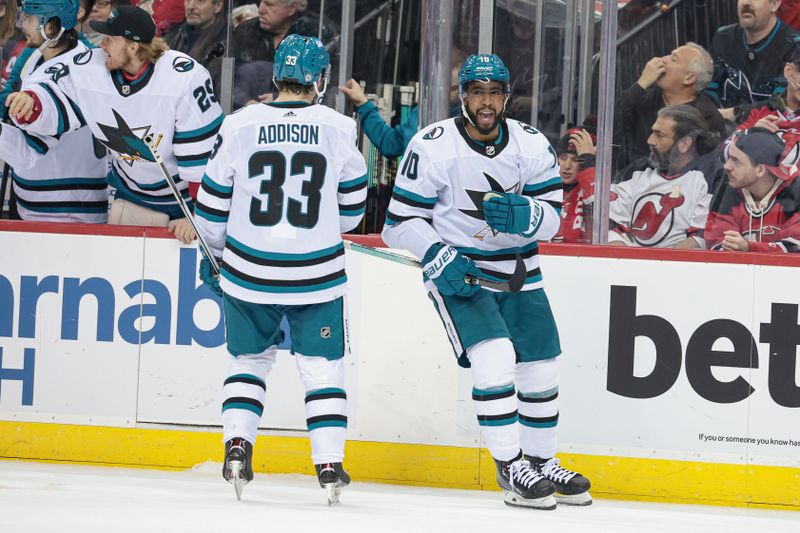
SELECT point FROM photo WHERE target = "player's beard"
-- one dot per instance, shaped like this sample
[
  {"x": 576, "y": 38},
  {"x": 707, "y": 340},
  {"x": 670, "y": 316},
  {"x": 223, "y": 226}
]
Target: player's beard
[
  {"x": 113, "y": 64},
  {"x": 473, "y": 117}
]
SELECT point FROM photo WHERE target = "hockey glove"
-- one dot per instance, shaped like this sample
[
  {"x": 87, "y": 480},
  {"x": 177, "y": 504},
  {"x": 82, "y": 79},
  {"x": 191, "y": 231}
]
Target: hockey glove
[
  {"x": 208, "y": 277},
  {"x": 510, "y": 213},
  {"x": 446, "y": 268}
]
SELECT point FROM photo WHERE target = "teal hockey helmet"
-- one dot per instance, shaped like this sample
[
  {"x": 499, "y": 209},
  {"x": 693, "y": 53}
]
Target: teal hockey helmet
[
  {"x": 302, "y": 60},
  {"x": 65, "y": 10},
  {"x": 485, "y": 68}
]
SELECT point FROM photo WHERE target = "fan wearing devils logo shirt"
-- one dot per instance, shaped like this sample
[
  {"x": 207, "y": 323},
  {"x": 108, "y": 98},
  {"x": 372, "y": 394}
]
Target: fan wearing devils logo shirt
[
  {"x": 759, "y": 210},
  {"x": 666, "y": 204}
]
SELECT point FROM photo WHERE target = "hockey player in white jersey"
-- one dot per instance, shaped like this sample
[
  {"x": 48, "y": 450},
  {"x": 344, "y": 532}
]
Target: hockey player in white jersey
[
  {"x": 132, "y": 88},
  {"x": 284, "y": 181},
  {"x": 55, "y": 180},
  {"x": 474, "y": 194}
]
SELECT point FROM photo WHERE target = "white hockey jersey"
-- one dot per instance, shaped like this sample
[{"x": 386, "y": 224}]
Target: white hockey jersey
[
  {"x": 444, "y": 175},
  {"x": 56, "y": 180},
  {"x": 654, "y": 210},
  {"x": 283, "y": 182},
  {"x": 173, "y": 101}
]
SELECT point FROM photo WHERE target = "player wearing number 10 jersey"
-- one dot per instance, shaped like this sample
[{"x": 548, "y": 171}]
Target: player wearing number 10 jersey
[{"x": 283, "y": 182}]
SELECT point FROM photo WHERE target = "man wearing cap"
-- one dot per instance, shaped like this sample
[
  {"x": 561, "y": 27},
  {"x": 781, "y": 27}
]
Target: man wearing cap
[
  {"x": 132, "y": 88},
  {"x": 758, "y": 211}
]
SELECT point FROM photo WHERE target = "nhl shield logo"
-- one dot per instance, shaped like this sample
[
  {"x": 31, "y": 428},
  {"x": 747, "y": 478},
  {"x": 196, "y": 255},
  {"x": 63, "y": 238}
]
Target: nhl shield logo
[
  {"x": 126, "y": 89},
  {"x": 490, "y": 150},
  {"x": 325, "y": 332}
]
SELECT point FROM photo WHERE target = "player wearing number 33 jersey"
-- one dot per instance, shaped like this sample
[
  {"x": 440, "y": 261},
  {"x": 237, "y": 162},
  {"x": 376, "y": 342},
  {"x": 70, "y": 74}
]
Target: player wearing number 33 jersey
[{"x": 284, "y": 181}]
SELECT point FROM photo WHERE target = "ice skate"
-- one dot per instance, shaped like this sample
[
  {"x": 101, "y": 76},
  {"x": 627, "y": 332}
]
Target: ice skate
[
  {"x": 238, "y": 468},
  {"x": 332, "y": 478},
  {"x": 524, "y": 486},
  {"x": 571, "y": 487}
]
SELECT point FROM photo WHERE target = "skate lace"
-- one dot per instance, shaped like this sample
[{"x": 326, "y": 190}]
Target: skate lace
[
  {"x": 522, "y": 473},
  {"x": 553, "y": 470}
]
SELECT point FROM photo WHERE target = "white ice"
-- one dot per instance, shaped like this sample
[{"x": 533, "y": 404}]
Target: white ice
[{"x": 56, "y": 498}]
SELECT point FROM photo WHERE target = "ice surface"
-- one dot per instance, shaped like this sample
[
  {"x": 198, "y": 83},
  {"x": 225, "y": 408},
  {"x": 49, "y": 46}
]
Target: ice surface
[{"x": 58, "y": 498}]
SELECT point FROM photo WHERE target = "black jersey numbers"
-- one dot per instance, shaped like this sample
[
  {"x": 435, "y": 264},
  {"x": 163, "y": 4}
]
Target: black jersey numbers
[
  {"x": 410, "y": 164},
  {"x": 270, "y": 166},
  {"x": 204, "y": 95}
]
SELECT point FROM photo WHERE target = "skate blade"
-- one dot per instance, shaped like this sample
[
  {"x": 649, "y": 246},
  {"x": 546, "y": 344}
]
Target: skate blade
[
  {"x": 332, "y": 492},
  {"x": 581, "y": 500},
  {"x": 237, "y": 479},
  {"x": 548, "y": 503}
]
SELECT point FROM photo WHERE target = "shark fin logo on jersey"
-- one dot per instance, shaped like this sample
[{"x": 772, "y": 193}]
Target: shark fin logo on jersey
[
  {"x": 182, "y": 64},
  {"x": 83, "y": 58},
  {"x": 477, "y": 199},
  {"x": 57, "y": 71},
  {"x": 435, "y": 133},
  {"x": 527, "y": 128},
  {"x": 122, "y": 140}
]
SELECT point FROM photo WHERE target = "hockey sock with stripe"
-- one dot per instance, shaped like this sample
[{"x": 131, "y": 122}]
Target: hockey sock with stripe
[
  {"x": 537, "y": 394},
  {"x": 243, "y": 394}
]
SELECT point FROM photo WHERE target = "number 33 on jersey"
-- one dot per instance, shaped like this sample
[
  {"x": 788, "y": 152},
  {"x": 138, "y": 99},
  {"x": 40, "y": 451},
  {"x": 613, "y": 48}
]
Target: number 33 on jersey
[{"x": 284, "y": 181}]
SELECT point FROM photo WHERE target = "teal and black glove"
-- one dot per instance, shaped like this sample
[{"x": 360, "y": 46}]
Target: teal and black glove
[
  {"x": 508, "y": 213},
  {"x": 446, "y": 267},
  {"x": 208, "y": 277}
]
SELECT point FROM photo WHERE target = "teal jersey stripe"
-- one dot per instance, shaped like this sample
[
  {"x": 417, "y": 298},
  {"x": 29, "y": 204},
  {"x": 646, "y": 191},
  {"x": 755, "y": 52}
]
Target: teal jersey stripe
[
  {"x": 502, "y": 251},
  {"x": 208, "y": 216},
  {"x": 358, "y": 181},
  {"x": 157, "y": 185},
  {"x": 195, "y": 163},
  {"x": 86, "y": 210},
  {"x": 57, "y": 103},
  {"x": 352, "y": 213},
  {"x": 59, "y": 181},
  {"x": 389, "y": 221},
  {"x": 550, "y": 424},
  {"x": 216, "y": 186},
  {"x": 248, "y": 376},
  {"x": 274, "y": 256},
  {"x": 416, "y": 197},
  {"x": 327, "y": 424},
  {"x": 543, "y": 394},
  {"x": 33, "y": 144},
  {"x": 245, "y": 406},
  {"x": 529, "y": 279},
  {"x": 199, "y": 131},
  {"x": 533, "y": 187},
  {"x": 502, "y": 422},
  {"x": 493, "y": 390},
  {"x": 329, "y": 390},
  {"x": 282, "y": 289}
]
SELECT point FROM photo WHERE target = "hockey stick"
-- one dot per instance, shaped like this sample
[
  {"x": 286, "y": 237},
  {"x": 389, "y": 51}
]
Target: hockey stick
[
  {"x": 149, "y": 141},
  {"x": 4, "y": 189},
  {"x": 514, "y": 284}
]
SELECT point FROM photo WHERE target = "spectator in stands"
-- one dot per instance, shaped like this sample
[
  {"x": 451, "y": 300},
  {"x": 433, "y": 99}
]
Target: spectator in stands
[
  {"x": 243, "y": 13},
  {"x": 389, "y": 141},
  {"x": 749, "y": 56},
  {"x": 678, "y": 78},
  {"x": 781, "y": 111},
  {"x": 254, "y": 43},
  {"x": 99, "y": 11},
  {"x": 759, "y": 211},
  {"x": 203, "y": 34},
  {"x": 12, "y": 42},
  {"x": 576, "y": 159},
  {"x": 166, "y": 14},
  {"x": 789, "y": 13},
  {"x": 666, "y": 204}
]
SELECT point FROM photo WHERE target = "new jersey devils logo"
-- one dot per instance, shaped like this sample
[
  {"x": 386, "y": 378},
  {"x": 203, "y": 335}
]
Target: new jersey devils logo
[{"x": 654, "y": 216}]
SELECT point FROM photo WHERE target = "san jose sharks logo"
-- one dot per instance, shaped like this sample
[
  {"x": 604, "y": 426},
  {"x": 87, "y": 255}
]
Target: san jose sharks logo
[
  {"x": 127, "y": 142},
  {"x": 477, "y": 201},
  {"x": 57, "y": 71}
]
